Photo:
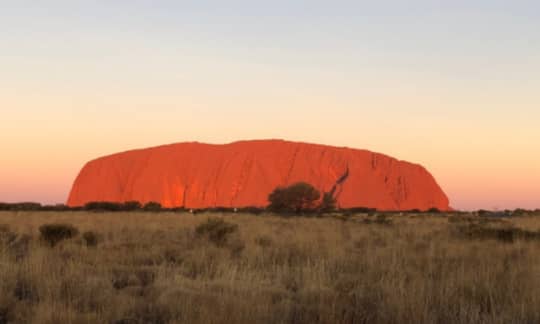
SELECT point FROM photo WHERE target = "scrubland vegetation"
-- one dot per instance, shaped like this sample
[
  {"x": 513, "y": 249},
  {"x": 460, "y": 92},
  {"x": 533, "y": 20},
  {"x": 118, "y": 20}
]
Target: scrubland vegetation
[{"x": 144, "y": 267}]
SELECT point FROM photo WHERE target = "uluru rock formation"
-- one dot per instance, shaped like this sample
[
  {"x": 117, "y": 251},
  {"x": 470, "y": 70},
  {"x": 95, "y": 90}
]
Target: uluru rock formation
[{"x": 195, "y": 175}]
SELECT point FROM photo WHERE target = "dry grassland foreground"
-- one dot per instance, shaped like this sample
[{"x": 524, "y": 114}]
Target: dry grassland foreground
[{"x": 124, "y": 268}]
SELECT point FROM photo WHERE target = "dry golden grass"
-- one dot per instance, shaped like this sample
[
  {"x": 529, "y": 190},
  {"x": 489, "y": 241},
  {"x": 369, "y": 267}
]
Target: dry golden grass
[{"x": 155, "y": 268}]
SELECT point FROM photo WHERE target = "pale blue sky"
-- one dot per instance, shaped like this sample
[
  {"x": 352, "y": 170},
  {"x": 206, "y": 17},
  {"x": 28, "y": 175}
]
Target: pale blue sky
[{"x": 452, "y": 85}]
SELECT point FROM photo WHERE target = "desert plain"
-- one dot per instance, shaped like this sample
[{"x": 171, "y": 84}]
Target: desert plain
[{"x": 172, "y": 267}]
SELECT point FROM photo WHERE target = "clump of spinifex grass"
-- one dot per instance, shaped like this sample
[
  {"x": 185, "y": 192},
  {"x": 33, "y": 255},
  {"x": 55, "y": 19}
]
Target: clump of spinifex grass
[{"x": 53, "y": 234}]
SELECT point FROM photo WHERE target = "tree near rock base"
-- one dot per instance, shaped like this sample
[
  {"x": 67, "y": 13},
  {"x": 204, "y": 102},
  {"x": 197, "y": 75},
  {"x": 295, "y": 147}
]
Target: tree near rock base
[{"x": 296, "y": 198}]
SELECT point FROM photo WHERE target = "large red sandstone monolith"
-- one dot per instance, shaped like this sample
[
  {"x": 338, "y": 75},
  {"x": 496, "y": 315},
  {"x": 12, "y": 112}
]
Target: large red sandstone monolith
[{"x": 195, "y": 175}]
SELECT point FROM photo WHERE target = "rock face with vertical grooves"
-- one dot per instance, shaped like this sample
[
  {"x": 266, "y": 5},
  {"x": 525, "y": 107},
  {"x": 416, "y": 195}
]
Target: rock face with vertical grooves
[{"x": 195, "y": 175}]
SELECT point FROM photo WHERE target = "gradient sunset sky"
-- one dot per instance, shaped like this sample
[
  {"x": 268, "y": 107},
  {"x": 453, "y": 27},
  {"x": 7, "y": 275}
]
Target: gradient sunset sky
[{"x": 452, "y": 85}]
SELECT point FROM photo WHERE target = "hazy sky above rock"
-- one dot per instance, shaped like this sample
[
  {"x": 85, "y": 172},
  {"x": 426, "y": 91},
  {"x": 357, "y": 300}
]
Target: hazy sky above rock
[{"x": 452, "y": 85}]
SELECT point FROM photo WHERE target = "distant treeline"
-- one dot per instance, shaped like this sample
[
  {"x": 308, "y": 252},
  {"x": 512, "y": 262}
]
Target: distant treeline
[
  {"x": 130, "y": 206},
  {"x": 108, "y": 206},
  {"x": 32, "y": 206}
]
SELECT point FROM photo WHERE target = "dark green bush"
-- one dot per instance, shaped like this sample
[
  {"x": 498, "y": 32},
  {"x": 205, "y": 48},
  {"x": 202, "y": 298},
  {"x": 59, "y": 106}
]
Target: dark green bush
[
  {"x": 414, "y": 211},
  {"x": 57, "y": 207},
  {"x": 220, "y": 210},
  {"x": 152, "y": 206},
  {"x": 520, "y": 212},
  {"x": 177, "y": 209},
  {"x": 131, "y": 206},
  {"x": 53, "y": 234},
  {"x": 103, "y": 206},
  {"x": 482, "y": 212},
  {"x": 22, "y": 206},
  {"x": 296, "y": 198},
  {"x": 216, "y": 230},
  {"x": 358, "y": 210},
  {"x": 250, "y": 210},
  {"x": 379, "y": 219}
]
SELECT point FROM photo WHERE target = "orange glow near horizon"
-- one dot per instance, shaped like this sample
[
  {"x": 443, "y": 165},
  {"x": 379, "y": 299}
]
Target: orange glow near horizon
[
  {"x": 478, "y": 166},
  {"x": 407, "y": 81}
]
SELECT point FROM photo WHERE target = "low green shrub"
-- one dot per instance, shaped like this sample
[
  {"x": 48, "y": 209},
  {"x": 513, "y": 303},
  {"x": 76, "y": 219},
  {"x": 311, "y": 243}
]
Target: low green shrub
[
  {"x": 52, "y": 234},
  {"x": 297, "y": 198},
  {"x": 152, "y": 206},
  {"x": 102, "y": 206},
  {"x": 131, "y": 206}
]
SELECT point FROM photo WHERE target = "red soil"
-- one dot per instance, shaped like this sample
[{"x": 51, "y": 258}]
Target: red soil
[{"x": 195, "y": 175}]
